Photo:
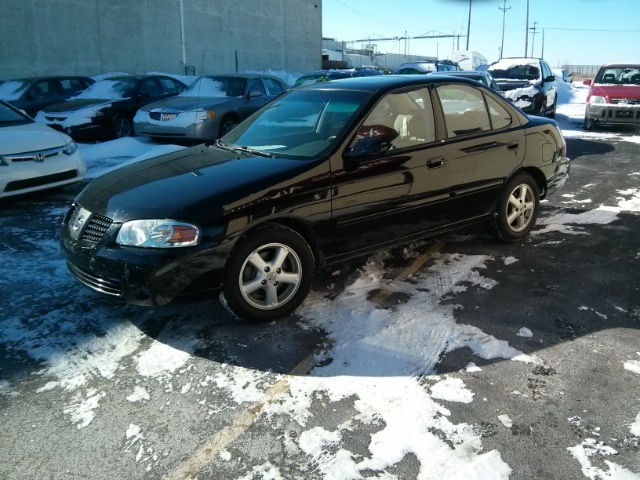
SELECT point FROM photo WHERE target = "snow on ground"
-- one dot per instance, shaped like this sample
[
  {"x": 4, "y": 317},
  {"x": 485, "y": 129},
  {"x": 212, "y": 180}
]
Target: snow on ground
[{"x": 385, "y": 359}]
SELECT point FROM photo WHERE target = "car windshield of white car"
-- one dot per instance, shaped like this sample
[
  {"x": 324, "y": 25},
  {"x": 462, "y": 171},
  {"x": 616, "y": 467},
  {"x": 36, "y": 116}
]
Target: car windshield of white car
[
  {"x": 619, "y": 76},
  {"x": 302, "y": 124},
  {"x": 114, "y": 89},
  {"x": 10, "y": 117},
  {"x": 215, "y": 87}
]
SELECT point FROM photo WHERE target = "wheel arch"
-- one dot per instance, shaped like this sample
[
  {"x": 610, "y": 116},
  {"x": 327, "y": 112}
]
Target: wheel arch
[
  {"x": 298, "y": 225},
  {"x": 538, "y": 176}
]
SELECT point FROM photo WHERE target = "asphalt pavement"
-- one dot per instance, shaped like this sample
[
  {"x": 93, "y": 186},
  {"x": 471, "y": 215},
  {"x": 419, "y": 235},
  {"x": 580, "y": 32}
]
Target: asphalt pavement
[{"x": 95, "y": 389}]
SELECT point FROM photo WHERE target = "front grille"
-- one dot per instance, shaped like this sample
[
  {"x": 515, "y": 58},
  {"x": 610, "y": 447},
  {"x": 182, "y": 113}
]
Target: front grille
[
  {"x": 161, "y": 116},
  {"x": 33, "y": 156},
  {"x": 100, "y": 284},
  {"x": 628, "y": 101},
  {"x": 40, "y": 181},
  {"x": 94, "y": 229}
]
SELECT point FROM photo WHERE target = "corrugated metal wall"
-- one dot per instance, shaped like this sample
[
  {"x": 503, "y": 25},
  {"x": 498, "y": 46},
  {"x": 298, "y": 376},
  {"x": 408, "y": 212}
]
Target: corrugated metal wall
[{"x": 90, "y": 37}]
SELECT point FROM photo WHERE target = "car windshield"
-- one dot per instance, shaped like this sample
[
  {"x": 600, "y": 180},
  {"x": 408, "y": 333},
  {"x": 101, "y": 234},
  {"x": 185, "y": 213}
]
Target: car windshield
[
  {"x": 302, "y": 124},
  {"x": 114, "y": 89},
  {"x": 510, "y": 70},
  {"x": 619, "y": 75},
  {"x": 13, "y": 89},
  {"x": 216, "y": 87},
  {"x": 9, "y": 117}
]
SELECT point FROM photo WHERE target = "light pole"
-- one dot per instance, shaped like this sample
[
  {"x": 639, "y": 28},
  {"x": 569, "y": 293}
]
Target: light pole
[
  {"x": 504, "y": 12},
  {"x": 526, "y": 33},
  {"x": 533, "y": 40},
  {"x": 469, "y": 26}
]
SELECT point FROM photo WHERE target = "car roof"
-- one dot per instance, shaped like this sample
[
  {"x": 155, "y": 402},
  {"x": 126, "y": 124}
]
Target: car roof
[
  {"x": 382, "y": 83},
  {"x": 625, "y": 65},
  {"x": 241, "y": 75},
  {"x": 45, "y": 77}
]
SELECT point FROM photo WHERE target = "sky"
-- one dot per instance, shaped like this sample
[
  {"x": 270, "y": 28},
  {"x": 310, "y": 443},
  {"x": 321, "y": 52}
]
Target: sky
[
  {"x": 82, "y": 369},
  {"x": 576, "y": 32}
]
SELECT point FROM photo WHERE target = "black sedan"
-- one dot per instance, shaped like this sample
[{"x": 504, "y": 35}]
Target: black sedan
[
  {"x": 106, "y": 109},
  {"x": 323, "y": 173},
  {"x": 32, "y": 94}
]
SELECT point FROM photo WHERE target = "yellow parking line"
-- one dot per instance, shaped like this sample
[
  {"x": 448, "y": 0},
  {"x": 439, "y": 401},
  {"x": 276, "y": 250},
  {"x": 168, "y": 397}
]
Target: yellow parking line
[{"x": 194, "y": 465}]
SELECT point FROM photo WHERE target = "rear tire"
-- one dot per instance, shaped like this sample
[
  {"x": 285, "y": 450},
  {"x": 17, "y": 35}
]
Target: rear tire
[
  {"x": 517, "y": 209},
  {"x": 269, "y": 274}
]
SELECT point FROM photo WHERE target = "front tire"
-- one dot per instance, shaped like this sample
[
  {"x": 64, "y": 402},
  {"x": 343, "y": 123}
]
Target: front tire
[
  {"x": 517, "y": 209},
  {"x": 227, "y": 124},
  {"x": 269, "y": 274},
  {"x": 122, "y": 126}
]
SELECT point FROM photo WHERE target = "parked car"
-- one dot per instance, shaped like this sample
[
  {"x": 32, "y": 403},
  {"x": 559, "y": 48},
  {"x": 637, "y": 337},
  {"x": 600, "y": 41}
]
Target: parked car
[
  {"x": 106, "y": 109},
  {"x": 422, "y": 67},
  {"x": 34, "y": 157},
  {"x": 562, "y": 74},
  {"x": 335, "y": 74},
  {"x": 614, "y": 96},
  {"x": 479, "y": 76},
  {"x": 35, "y": 93},
  {"x": 209, "y": 108},
  {"x": 323, "y": 173},
  {"x": 529, "y": 83}
]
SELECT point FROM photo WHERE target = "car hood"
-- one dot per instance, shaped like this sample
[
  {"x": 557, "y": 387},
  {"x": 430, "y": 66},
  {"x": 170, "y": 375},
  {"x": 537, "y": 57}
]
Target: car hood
[
  {"x": 72, "y": 105},
  {"x": 199, "y": 184},
  {"x": 506, "y": 85},
  {"x": 30, "y": 137},
  {"x": 186, "y": 104},
  {"x": 616, "y": 91}
]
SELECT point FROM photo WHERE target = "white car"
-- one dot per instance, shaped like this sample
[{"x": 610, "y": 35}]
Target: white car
[{"x": 33, "y": 156}]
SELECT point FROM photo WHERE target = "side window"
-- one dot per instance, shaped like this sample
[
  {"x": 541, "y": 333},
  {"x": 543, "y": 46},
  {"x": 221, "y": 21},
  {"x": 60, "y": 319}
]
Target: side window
[
  {"x": 71, "y": 86},
  {"x": 274, "y": 87},
  {"x": 43, "y": 89},
  {"x": 464, "y": 110},
  {"x": 256, "y": 86},
  {"x": 402, "y": 119},
  {"x": 169, "y": 86},
  {"x": 500, "y": 117},
  {"x": 149, "y": 88}
]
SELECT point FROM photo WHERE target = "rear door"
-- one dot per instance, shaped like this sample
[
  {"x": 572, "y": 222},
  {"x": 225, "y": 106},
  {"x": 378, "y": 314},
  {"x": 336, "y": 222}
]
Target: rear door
[{"x": 484, "y": 147}]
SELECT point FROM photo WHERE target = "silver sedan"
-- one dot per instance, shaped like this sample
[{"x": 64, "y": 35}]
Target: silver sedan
[{"x": 209, "y": 108}]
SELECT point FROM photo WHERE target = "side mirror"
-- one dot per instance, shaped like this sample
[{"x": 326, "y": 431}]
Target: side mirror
[
  {"x": 366, "y": 148},
  {"x": 550, "y": 78},
  {"x": 587, "y": 82}
]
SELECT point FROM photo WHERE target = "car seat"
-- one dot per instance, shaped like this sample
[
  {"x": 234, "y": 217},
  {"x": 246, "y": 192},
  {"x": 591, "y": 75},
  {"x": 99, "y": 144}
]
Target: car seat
[
  {"x": 609, "y": 78},
  {"x": 635, "y": 78}
]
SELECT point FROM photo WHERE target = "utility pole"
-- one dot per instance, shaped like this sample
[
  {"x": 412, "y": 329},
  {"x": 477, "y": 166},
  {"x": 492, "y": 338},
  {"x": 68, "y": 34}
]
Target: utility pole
[
  {"x": 504, "y": 12},
  {"x": 469, "y": 26},
  {"x": 526, "y": 33},
  {"x": 533, "y": 40}
]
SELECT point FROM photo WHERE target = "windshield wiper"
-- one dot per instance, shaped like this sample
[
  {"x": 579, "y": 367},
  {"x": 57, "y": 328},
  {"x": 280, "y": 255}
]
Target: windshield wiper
[{"x": 245, "y": 150}]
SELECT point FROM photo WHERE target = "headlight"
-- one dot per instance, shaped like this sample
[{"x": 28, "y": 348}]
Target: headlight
[
  {"x": 70, "y": 148},
  {"x": 205, "y": 116},
  {"x": 595, "y": 99},
  {"x": 158, "y": 234}
]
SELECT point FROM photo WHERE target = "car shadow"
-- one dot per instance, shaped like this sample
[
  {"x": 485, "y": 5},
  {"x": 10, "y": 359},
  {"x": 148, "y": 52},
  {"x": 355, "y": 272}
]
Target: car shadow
[{"x": 580, "y": 147}]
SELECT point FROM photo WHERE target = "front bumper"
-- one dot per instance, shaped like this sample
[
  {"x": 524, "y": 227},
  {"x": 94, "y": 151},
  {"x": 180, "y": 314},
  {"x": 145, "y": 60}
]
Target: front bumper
[
  {"x": 141, "y": 276},
  {"x": 613, "y": 114},
  {"x": 203, "y": 132}
]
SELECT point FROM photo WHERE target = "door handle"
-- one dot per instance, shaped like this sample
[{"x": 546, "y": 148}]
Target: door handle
[
  {"x": 513, "y": 146},
  {"x": 435, "y": 162}
]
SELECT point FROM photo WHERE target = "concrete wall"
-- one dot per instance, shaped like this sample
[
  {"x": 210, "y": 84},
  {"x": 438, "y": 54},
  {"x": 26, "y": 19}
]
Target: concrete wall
[{"x": 90, "y": 37}]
